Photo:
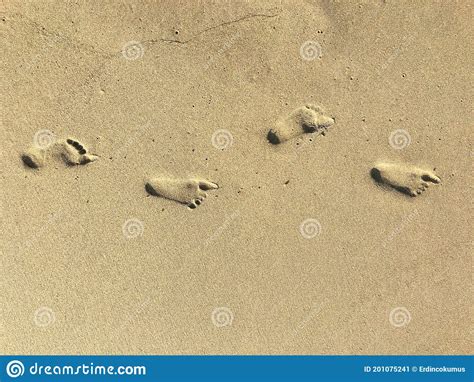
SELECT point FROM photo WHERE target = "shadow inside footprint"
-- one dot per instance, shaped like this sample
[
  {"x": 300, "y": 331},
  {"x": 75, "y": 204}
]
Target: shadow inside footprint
[
  {"x": 273, "y": 137},
  {"x": 308, "y": 129},
  {"x": 375, "y": 174},
  {"x": 377, "y": 177},
  {"x": 28, "y": 161},
  {"x": 151, "y": 190}
]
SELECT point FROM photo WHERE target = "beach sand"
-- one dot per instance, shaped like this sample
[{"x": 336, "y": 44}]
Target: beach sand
[{"x": 299, "y": 250}]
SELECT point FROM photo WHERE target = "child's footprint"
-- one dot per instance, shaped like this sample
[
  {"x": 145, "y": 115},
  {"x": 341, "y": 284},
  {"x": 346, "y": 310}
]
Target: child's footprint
[
  {"x": 190, "y": 191},
  {"x": 70, "y": 151},
  {"x": 34, "y": 157},
  {"x": 405, "y": 178},
  {"x": 73, "y": 152},
  {"x": 305, "y": 119}
]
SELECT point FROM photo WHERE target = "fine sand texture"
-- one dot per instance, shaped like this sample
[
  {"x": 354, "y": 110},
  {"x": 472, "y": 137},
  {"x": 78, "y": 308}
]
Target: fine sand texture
[{"x": 245, "y": 177}]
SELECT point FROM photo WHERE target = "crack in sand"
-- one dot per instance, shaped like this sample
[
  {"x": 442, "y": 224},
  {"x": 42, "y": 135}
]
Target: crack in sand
[
  {"x": 59, "y": 37},
  {"x": 107, "y": 56},
  {"x": 244, "y": 18}
]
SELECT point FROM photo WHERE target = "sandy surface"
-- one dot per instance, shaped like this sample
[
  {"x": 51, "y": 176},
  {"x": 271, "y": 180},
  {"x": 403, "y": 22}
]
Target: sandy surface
[{"x": 386, "y": 273}]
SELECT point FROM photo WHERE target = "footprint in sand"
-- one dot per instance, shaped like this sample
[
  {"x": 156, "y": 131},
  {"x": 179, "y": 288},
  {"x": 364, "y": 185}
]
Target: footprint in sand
[
  {"x": 70, "y": 151},
  {"x": 74, "y": 153},
  {"x": 409, "y": 179},
  {"x": 190, "y": 191},
  {"x": 34, "y": 157},
  {"x": 305, "y": 119}
]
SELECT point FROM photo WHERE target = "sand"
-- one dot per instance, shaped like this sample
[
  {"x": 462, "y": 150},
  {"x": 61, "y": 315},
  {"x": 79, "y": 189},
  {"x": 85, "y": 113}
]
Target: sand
[{"x": 299, "y": 250}]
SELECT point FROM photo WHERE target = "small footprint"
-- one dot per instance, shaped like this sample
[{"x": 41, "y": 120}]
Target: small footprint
[
  {"x": 34, "y": 157},
  {"x": 74, "y": 153},
  {"x": 70, "y": 151},
  {"x": 305, "y": 119},
  {"x": 189, "y": 191},
  {"x": 409, "y": 179}
]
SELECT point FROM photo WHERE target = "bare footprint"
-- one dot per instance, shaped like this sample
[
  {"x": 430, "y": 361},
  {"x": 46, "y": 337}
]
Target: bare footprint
[
  {"x": 70, "y": 151},
  {"x": 189, "y": 191},
  {"x": 73, "y": 152},
  {"x": 305, "y": 119},
  {"x": 34, "y": 157},
  {"x": 409, "y": 179}
]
